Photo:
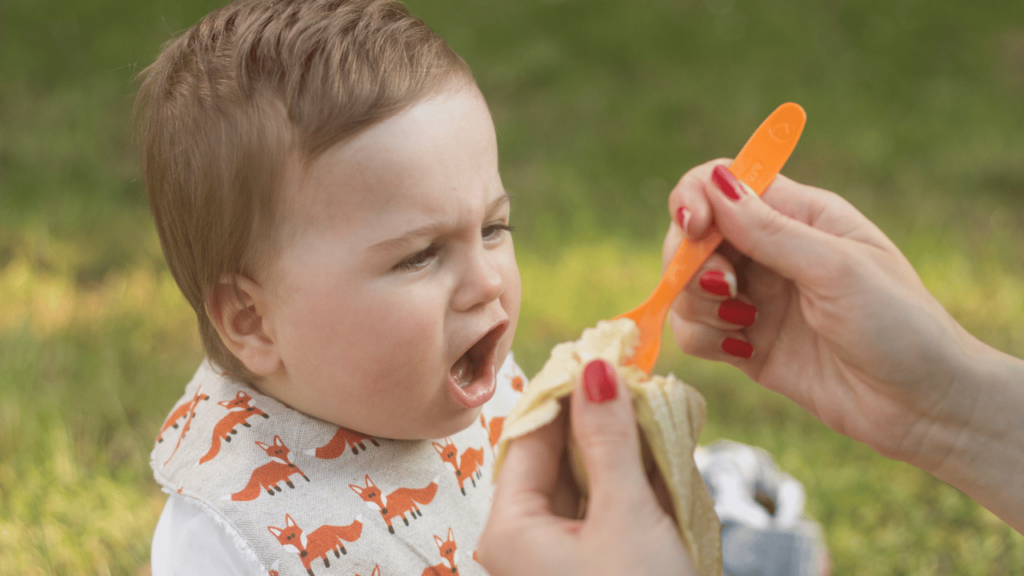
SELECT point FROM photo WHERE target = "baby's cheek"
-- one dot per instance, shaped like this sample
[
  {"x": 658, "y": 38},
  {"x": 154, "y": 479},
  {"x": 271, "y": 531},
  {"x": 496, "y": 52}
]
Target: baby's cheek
[{"x": 512, "y": 297}]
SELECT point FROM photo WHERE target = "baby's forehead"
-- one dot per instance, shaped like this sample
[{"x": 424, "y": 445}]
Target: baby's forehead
[
  {"x": 337, "y": 190},
  {"x": 334, "y": 183},
  {"x": 447, "y": 136},
  {"x": 431, "y": 170}
]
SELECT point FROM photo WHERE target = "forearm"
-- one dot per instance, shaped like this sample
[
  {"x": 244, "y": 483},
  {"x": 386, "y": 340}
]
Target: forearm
[{"x": 981, "y": 442}]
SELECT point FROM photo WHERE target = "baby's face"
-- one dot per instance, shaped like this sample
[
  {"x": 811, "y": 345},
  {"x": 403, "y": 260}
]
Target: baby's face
[{"x": 395, "y": 297}]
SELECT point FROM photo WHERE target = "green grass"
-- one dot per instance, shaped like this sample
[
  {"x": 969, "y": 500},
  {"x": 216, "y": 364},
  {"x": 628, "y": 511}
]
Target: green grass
[{"x": 915, "y": 115}]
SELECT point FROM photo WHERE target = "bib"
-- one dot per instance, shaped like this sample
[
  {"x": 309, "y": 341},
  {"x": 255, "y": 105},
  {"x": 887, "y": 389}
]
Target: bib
[{"x": 308, "y": 497}]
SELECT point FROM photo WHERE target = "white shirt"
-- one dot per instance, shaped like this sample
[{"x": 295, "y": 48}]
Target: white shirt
[{"x": 188, "y": 542}]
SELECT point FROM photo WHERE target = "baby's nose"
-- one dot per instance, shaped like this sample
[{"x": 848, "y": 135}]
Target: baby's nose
[{"x": 481, "y": 283}]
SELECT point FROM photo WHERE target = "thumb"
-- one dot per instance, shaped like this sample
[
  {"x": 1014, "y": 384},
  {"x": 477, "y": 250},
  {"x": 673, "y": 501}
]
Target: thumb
[
  {"x": 790, "y": 247},
  {"x": 605, "y": 431}
]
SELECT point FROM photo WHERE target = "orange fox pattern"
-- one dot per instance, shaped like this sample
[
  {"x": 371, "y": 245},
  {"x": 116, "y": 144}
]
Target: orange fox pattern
[
  {"x": 449, "y": 555},
  {"x": 180, "y": 412},
  {"x": 304, "y": 450},
  {"x": 493, "y": 429},
  {"x": 268, "y": 476},
  {"x": 318, "y": 543},
  {"x": 466, "y": 466},
  {"x": 239, "y": 410},
  {"x": 397, "y": 503},
  {"x": 342, "y": 439},
  {"x": 190, "y": 413}
]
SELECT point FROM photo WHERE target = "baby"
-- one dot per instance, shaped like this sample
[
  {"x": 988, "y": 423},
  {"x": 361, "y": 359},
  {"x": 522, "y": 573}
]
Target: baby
[{"x": 324, "y": 179}]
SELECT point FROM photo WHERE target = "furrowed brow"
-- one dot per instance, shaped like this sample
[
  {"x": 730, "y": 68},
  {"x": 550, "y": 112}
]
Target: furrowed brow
[
  {"x": 410, "y": 237},
  {"x": 498, "y": 203},
  {"x": 437, "y": 228}
]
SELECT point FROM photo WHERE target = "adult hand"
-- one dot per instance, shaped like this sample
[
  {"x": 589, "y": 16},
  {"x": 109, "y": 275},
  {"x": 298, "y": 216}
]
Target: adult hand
[
  {"x": 845, "y": 328},
  {"x": 625, "y": 530}
]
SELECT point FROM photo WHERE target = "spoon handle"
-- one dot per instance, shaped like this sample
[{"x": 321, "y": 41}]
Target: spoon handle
[{"x": 757, "y": 164}]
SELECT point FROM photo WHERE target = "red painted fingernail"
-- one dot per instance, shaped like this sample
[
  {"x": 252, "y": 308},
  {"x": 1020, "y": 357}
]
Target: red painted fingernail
[
  {"x": 737, "y": 312},
  {"x": 726, "y": 182},
  {"x": 683, "y": 218},
  {"x": 599, "y": 381},
  {"x": 737, "y": 348},
  {"x": 714, "y": 282}
]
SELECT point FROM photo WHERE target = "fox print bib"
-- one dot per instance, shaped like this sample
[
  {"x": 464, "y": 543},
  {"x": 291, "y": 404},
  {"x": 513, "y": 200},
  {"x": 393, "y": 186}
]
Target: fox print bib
[{"x": 310, "y": 498}]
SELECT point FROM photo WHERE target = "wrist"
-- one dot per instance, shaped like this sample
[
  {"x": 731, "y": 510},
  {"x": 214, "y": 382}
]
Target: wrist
[
  {"x": 944, "y": 425},
  {"x": 977, "y": 441}
]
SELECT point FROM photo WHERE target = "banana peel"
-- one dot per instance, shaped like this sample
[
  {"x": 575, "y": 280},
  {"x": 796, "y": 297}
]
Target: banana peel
[{"x": 670, "y": 415}]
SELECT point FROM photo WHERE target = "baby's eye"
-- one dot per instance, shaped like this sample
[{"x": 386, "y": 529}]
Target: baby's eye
[
  {"x": 419, "y": 260},
  {"x": 495, "y": 231}
]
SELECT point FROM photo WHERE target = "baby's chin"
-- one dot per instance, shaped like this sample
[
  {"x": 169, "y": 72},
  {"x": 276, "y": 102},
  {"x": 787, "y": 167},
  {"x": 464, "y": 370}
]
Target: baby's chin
[
  {"x": 426, "y": 431},
  {"x": 450, "y": 427},
  {"x": 469, "y": 418}
]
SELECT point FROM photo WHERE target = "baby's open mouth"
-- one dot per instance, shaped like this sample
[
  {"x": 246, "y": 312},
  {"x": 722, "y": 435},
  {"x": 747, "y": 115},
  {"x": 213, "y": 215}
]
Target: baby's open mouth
[
  {"x": 479, "y": 359},
  {"x": 474, "y": 375}
]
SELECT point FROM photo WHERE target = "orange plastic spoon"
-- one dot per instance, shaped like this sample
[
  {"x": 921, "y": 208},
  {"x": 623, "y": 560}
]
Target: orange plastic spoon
[{"x": 757, "y": 164}]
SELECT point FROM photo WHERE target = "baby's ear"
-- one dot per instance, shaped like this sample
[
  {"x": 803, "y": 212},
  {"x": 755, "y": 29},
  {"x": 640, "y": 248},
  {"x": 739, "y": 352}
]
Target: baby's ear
[{"x": 237, "y": 308}]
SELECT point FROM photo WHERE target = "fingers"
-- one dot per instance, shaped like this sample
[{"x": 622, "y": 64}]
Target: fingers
[
  {"x": 710, "y": 343},
  {"x": 794, "y": 231},
  {"x": 605, "y": 430},
  {"x": 796, "y": 237},
  {"x": 709, "y": 315},
  {"x": 522, "y": 497},
  {"x": 820, "y": 209},
  {"x": 530, "y": 473},
  {"x": 712, "y": 299},
  {"x": 715, "y": 281},
  {"x": 789, "y": 246},
  {"x": 687, "y": 202}
]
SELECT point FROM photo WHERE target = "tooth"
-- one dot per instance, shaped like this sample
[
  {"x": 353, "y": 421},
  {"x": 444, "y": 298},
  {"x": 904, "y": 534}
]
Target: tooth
[{"x": 670, "y": 415}]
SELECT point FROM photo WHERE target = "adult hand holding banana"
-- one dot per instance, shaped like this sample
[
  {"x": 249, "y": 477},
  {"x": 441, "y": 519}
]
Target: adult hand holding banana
[
  {"x": 670, "y": 413},
  {"x": 535, "y": 529}
]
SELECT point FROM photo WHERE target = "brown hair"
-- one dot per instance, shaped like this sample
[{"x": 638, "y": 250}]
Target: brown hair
[{"x": 254, "y": 84}]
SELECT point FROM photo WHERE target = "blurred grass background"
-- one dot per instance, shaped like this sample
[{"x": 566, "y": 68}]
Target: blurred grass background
[{"x": 916, "y": 115}]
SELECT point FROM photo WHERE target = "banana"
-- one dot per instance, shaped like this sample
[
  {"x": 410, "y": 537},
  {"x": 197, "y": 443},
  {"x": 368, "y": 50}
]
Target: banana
[{"x": 670, "y": 415}]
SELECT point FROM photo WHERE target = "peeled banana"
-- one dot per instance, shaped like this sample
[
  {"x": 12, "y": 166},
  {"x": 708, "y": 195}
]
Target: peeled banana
[{"x": 670, "y": 414}]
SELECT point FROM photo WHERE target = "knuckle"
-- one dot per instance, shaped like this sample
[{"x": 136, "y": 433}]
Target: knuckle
[
  {"x": 830, "y": 197},
  {"x": 607, "y": 439},
  {"x": 774, "y": 224}
]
